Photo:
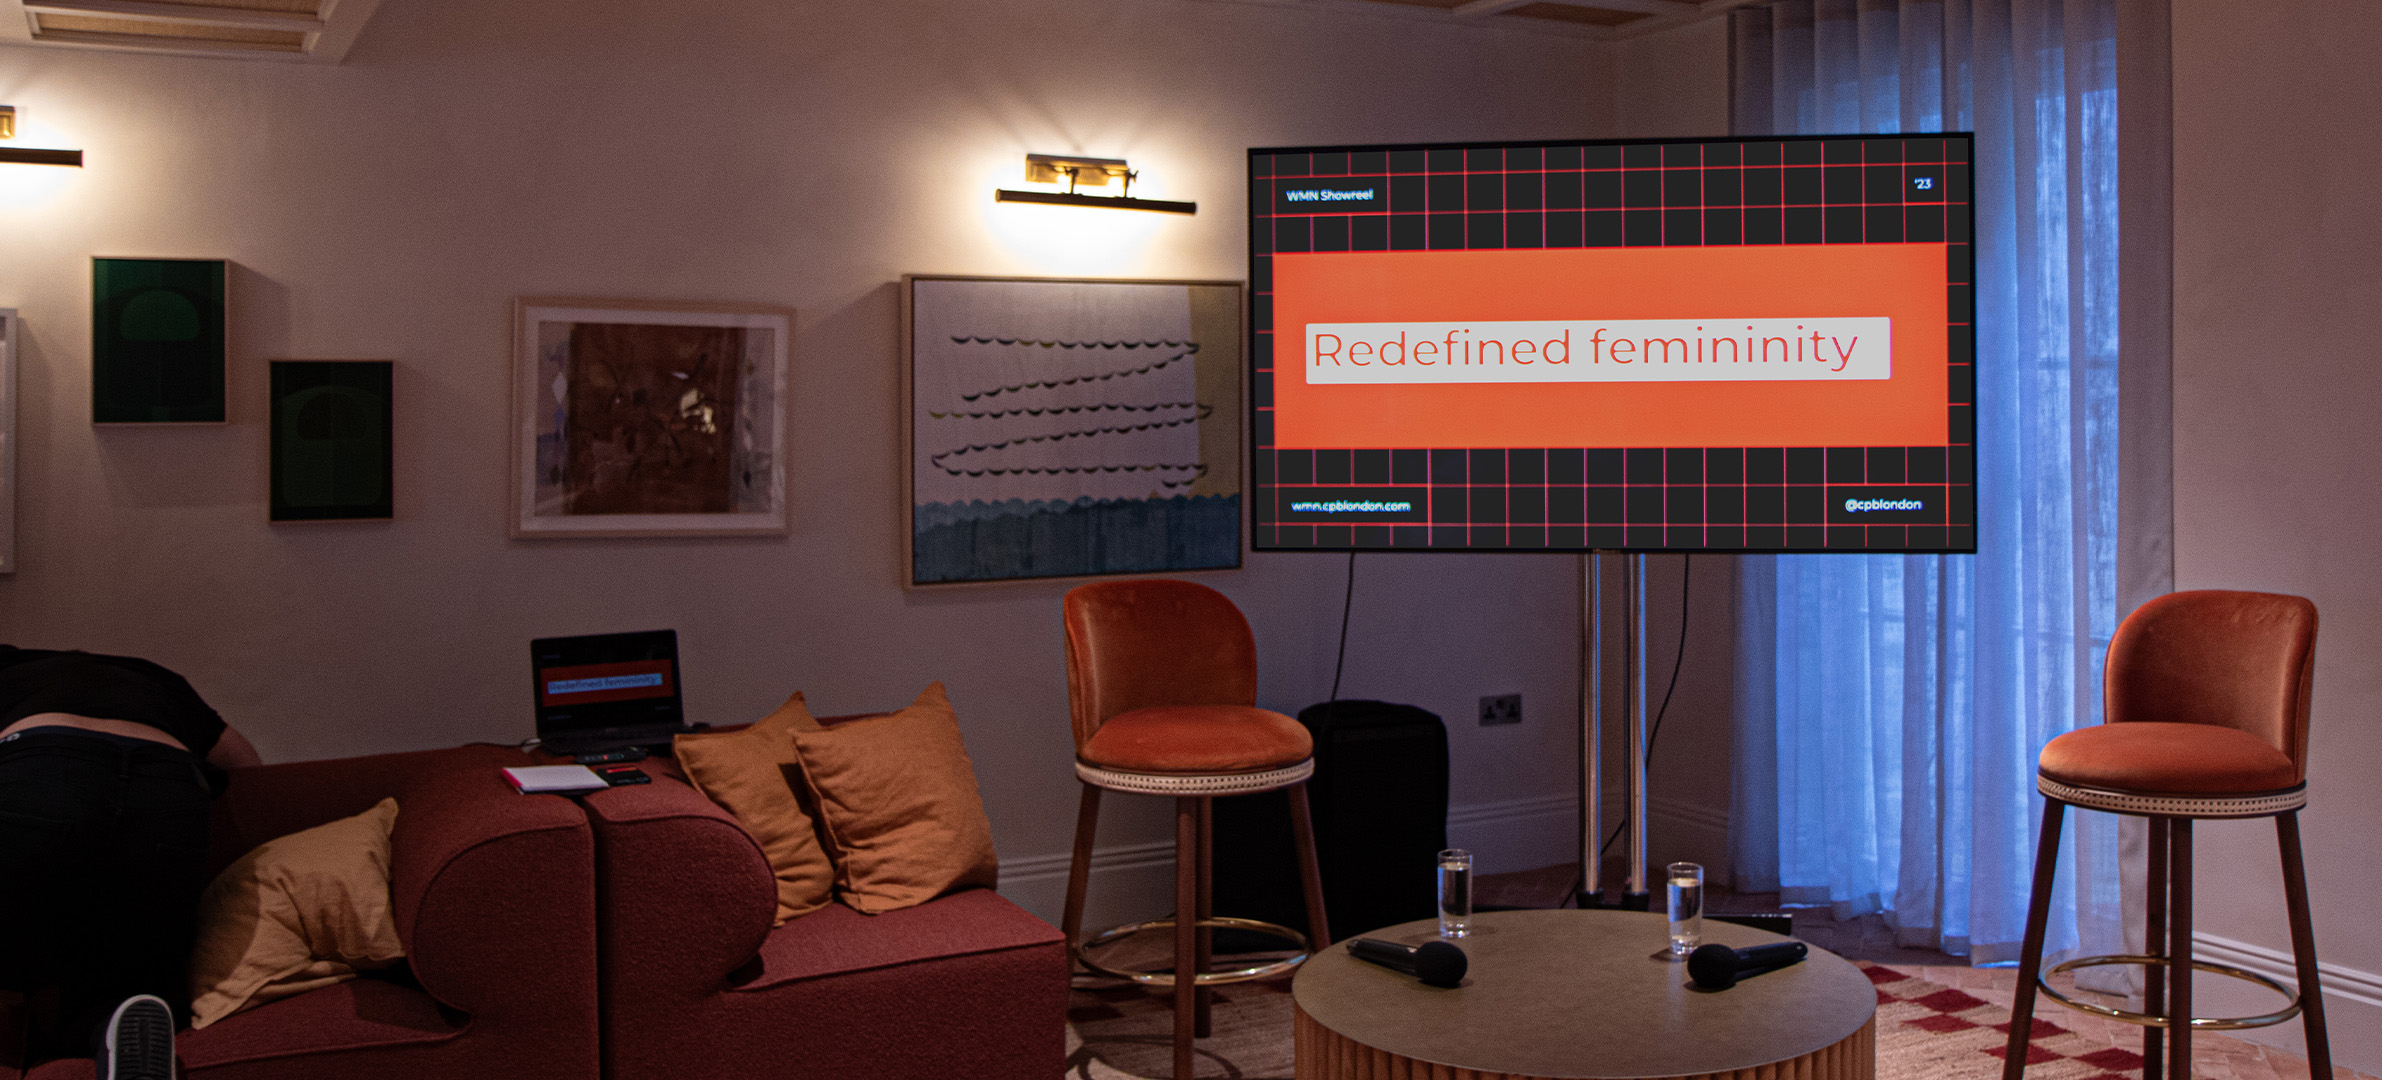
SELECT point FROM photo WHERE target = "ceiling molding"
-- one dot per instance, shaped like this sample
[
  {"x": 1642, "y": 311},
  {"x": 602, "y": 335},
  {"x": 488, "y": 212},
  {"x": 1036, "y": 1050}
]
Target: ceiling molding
[
  {"x": 1432, "y": 16},
  {"x": 1640, "y": 17},
  {"x": 299, "y": 31}
]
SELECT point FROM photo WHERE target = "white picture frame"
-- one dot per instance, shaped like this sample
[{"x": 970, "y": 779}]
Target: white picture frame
[
  {"x": 8, "y": 440},
  {"x": 685, "y": 440}
]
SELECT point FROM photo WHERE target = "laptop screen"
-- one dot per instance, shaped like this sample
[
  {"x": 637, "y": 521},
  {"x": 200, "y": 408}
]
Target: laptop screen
[{"x": 597, "y": 684}]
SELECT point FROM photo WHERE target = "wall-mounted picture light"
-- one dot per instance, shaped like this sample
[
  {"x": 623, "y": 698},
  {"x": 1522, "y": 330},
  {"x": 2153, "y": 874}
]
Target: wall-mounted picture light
[
  {"x": 1082, "y": 172},
  {"x": 17, "y": 155}
]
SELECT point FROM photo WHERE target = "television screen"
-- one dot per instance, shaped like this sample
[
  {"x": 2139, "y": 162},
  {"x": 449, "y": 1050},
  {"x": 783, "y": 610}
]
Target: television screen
[{"x": 1710, "y": 345}]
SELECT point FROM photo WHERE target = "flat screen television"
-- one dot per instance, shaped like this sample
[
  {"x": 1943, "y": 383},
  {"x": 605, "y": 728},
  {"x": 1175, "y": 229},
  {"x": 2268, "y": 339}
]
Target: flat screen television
[{"x": 1753, "y": 345}]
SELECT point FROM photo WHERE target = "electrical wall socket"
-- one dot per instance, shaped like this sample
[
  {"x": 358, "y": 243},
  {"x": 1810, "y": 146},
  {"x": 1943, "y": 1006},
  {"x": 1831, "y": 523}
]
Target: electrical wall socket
[{"x": 1501, "y": 709}]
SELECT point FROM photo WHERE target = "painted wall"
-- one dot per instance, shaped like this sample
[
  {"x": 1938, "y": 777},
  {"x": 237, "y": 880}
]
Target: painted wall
[
  {"x": 392, "y": 207},
  {"x": 2276, "y": 393}
]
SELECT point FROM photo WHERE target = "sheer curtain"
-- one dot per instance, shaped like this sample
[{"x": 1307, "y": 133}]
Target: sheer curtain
[{"x": 1887, "y": 755}]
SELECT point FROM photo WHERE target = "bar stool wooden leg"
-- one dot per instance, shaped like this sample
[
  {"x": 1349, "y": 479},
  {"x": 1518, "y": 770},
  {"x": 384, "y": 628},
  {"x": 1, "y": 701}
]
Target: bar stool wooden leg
[
  {"x": 1079, "y": 870},
  {"x": 2030, "y": 954},
  {"x": 2179, "y": 951},
  {"x": 2154, "y": 943},
  {"x": 1302, "y": 827},
  {"x": 1186, "y": 930},
  {"x": 1206, "y": 949},
  {"x": 2303, "y": 947}
]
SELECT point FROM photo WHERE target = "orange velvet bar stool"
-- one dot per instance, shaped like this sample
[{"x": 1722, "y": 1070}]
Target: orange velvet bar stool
[
  {"x": 1162, "y": 682},
  {"x": 2205, "y": 701}
]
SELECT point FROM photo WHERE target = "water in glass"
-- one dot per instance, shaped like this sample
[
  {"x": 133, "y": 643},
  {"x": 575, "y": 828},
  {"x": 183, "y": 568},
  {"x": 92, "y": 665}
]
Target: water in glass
[
  {"x": 1687, "y": 907},
  {"x": 1455, "y": 893}
]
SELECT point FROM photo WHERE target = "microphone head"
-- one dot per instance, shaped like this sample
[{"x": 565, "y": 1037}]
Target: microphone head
[
  {"x": 1438, "y": 963},
  {"x": 1713, "y": 967}
]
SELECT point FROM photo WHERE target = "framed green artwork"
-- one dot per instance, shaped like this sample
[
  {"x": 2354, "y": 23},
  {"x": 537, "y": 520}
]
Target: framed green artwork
[
  {"x": 333, "y": 424},
  {"x": 157, "y": 340}
]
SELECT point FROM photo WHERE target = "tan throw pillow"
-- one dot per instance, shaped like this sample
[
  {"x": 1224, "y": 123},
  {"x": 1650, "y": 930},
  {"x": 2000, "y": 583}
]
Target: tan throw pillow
[
  {"x": 751, "y": 773},
  {"x": 898, "y": 803},
  {"x": 300, "y": 912}
]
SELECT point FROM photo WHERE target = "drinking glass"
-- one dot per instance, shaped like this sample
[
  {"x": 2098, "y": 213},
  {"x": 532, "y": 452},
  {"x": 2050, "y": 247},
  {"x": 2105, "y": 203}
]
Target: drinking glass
[
  {"x": 1687, "y": 907},
  {"x": 1455, "y": 893}
]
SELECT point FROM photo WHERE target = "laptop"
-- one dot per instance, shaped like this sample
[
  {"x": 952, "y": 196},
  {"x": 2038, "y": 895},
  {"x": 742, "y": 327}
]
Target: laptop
[{"x": 601, "y": 692}]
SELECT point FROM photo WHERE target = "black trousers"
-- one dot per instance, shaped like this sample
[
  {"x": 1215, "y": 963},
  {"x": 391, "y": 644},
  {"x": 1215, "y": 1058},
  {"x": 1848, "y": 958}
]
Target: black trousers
[{"x": 103, "y": 853}]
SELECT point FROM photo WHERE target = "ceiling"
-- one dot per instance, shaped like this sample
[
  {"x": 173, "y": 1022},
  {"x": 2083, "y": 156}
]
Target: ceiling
[
  {"x": 312, "y": 31},
  {"x": 320, "y": 31},
  {"x": 1584, "y": 18}
]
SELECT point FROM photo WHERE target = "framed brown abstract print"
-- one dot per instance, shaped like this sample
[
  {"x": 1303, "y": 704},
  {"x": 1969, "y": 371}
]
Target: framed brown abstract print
[{"x": 648, "y": 419}]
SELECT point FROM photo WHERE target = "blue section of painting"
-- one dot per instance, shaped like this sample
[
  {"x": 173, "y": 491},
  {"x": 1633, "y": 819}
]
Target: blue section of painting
[{"x": 979, "y": 541}]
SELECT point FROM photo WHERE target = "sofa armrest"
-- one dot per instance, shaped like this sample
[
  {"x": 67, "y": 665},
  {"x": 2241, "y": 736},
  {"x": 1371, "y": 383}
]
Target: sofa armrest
[
  {"x": 686, "y": 896},
  {"x": 494, "y": 896}
]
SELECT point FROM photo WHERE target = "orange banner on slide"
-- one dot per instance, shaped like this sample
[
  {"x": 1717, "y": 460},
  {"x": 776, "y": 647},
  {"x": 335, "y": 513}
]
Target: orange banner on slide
[{"x": 1901, "y": 282}]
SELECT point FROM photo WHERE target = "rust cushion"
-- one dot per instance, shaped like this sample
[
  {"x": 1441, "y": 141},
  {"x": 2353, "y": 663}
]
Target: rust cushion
[
  {"x": 749, "y": 772},
  {"x": 897, "y": 799},
  {"x": 1178, "y": 739},
  {"x": 299, "y": 913},
  {"x": 2156, "y": 757}
]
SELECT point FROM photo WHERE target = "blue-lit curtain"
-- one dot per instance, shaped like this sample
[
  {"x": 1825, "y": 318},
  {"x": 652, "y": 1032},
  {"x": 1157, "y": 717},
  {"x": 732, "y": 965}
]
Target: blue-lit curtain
[{"x": 1887, "y": 755}]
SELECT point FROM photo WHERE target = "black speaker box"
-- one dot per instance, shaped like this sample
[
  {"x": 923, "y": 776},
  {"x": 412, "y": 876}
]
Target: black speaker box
[{"x": 1379, "y": 797}]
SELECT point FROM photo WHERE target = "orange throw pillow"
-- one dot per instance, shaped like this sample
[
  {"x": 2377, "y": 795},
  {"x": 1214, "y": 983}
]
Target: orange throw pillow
[
  {"x": 301, "y": 911},
  {"x": 750, "y": 773},
  {"x": 898, "y": 800}
]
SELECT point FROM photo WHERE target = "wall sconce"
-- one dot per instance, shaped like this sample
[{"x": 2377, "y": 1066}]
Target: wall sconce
[
  {"x": 16, "y": 155},
  {"x": 1086, "y": 172}
]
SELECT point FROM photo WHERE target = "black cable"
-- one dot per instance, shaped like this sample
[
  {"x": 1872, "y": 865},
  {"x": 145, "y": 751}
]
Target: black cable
[
  {"x": 1678, "y": 660},
  {"x": 1347, "y": 601},
  {"x": 1686, "y": 564}
]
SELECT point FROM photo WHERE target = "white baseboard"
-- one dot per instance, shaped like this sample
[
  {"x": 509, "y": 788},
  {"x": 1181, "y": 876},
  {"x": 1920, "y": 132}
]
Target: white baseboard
[
  {"x": 1130, "y": 883},
  {"x": 2352, "y": 1000},
  {"x": 1133, "y": 882},
  {"x": 2363, "y": 987},
  {"x": 1516, "y": 834}
]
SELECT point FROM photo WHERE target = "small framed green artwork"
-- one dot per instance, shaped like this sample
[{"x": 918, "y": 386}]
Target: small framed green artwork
[
  {"x": 333, "y": 440},
  {"x": 157, "y": 340}
]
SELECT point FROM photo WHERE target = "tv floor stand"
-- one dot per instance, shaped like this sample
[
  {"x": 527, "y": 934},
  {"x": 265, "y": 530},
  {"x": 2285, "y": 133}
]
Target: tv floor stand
[{"x": 1634, "y": 892}]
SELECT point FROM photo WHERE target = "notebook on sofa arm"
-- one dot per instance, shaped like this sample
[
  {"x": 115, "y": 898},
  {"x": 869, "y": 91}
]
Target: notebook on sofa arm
[{"x": 605, "y": 691}]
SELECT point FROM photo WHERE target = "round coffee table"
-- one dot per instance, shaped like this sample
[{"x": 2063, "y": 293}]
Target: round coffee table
[{"x": 1579, "y": 994}]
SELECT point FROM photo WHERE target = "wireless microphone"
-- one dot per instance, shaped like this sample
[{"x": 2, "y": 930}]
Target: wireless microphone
[
  {"x": 1718, "y": 967},
  {"x": 1436, "y": 963}
]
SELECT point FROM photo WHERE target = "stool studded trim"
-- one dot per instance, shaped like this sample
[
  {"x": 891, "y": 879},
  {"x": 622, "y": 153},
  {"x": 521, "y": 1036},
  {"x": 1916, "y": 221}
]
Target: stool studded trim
[
  {"x": 2260, "y": 804},
  {"x": 1195, "y": 783}
]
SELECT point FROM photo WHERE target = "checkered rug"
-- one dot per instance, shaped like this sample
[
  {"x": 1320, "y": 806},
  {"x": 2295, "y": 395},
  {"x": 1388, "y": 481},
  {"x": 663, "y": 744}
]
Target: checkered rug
[
  {"x": 1929, "y": 1030},
  {"x": 1925, "y": 1031}
]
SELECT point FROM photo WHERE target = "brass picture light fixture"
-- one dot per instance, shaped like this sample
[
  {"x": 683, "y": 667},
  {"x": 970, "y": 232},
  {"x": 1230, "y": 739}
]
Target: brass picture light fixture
[
  {"x": 1083, "y": 172},
  {"x": 17, "y": 155}
]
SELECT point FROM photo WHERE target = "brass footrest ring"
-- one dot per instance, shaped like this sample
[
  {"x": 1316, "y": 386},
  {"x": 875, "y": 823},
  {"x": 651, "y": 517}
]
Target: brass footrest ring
[
  {"x": 1204, "y": 978},
  {"x": 2199, "y": 1023}
]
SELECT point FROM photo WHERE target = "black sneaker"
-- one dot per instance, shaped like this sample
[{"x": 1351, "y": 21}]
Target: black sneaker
[{"x": 139, "y": 1043}]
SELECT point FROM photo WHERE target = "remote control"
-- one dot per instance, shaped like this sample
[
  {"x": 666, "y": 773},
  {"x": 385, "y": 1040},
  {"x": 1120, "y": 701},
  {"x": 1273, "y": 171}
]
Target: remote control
[{"x": 618, "y": 775}]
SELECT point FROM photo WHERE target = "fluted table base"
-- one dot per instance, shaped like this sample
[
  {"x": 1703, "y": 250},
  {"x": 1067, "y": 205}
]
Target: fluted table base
[{"x": 1324, "y": 1054}]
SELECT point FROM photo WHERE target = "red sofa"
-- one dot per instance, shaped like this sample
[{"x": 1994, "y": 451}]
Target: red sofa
[
  {"x": 697, "y": 985},
  {"x": 495, "y": 901}
]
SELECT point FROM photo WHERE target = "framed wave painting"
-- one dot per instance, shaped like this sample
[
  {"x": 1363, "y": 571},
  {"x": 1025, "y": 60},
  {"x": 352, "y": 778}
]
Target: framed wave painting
[{"x": 1068, "y": 428}]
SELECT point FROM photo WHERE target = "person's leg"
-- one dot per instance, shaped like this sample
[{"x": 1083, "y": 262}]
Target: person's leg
[
  {"x": 53, "y": 796},
  {"x": 102, "y": 851},
  {"x": 157, "y": 872},
  {"x": 146, "y": 880}
]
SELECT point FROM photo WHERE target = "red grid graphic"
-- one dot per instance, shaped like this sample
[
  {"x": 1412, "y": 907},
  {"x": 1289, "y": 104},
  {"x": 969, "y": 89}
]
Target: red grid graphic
[{"x": 1780, "y": 191}]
